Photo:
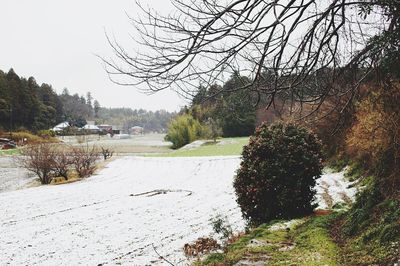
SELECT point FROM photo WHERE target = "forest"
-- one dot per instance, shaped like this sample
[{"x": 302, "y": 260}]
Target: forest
[{"x": 24, "y": 104}]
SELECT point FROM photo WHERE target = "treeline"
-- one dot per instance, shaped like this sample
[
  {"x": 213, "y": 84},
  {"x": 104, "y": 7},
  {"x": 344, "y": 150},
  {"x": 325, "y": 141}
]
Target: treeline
[
  {"x": 26, "y": 105},
  {"x": 216, "y": 111},
  {"x": 127, "y": 118}
]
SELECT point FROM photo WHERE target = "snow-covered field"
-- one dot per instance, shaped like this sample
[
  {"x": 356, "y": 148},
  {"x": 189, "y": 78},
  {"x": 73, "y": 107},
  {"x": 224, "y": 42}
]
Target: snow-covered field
[
  {"x": 127, "y": 213},
  {"x": 12, "y": 176},
  {"x": 117, "y": 216}
]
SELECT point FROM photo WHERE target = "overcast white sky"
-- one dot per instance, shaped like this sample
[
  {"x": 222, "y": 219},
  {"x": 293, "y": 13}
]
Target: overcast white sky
[{"x": 55, "y": 41}]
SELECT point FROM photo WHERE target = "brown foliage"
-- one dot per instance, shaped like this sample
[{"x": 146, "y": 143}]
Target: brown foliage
[
  {"x": 374, "y": 138},
  {"x": 377, "y": 126},
  {"x": 200, "y": 246},
  {"x": 32, "y": 139}
]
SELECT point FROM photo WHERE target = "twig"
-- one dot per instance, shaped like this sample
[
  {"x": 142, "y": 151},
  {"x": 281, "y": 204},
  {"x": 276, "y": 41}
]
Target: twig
[{"x": 162, "y": 257}]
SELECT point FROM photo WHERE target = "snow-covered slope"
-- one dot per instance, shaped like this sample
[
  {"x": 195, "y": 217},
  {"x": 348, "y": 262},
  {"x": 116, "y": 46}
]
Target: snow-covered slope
[
  {"x": 110, "y": 218},
  {"x": 333, "y": 188}
]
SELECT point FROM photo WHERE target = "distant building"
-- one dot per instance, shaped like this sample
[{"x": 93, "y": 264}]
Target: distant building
[
  {"x": 60, "y": 127},
  {"x": 105, "y": 128},
  {"x": 116, "y": 130},
  {"x": 136, "y": 130},
  {"x": 91, "y": 129}
]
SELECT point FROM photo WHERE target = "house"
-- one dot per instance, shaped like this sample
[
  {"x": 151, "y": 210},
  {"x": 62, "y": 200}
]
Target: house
[
  {"x": 60, "y": 127},
  {"x": 93, "y": 129},
  {"x": 136, "y": 130},
  {"x": 105, "y": 128}
]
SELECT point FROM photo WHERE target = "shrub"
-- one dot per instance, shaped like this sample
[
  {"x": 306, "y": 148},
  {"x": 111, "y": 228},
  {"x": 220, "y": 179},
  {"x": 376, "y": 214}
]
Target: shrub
[
  {"x": 30, "y": 138},
  {"x": 221, "y": 226},
  {"x": 277, "y": 175},
  {"x": 46, "y": 134},
  {"x": 212, "y": 129},
  {"x": 107, "y": 153},
  {"x": 61, "y": 162},
  {"x": 84, "y": 160},
  {"x": 183, "y": 130},
  {"x": 201, "y": 246},
  {"x": 373, "y": 138},
  {"x": 39, "y": 160}
]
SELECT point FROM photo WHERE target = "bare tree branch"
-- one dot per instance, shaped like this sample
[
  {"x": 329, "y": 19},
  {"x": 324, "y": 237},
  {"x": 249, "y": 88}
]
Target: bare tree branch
[{"x": 283, "y": 45}]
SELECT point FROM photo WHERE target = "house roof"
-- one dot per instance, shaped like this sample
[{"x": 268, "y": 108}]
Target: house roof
[
  {"x": 91, "y": 127},
  {"x": 61, "y": 126}
]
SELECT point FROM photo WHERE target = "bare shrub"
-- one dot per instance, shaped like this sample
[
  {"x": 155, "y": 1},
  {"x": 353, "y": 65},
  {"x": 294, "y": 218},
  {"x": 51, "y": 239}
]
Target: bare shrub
[
  {"x": 201, "y": 246},
  {"x": 61, "y": 162},
  {"x": 107, "y": 153},
  {"x": 39, "y": 159},
  {"x": 84, "y": 160}
]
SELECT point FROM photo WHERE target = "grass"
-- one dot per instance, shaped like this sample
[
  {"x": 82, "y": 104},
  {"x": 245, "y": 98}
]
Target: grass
[
  {"x": 369, "y": 233},
  {"x": 308, "y": 243},
  {"x": 10, "y": 152},
  {"x": 223, "y": 147}
]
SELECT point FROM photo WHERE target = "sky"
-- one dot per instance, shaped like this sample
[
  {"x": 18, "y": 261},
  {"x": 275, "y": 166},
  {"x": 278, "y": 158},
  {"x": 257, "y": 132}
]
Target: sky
[{"x": 56, "y": 42}]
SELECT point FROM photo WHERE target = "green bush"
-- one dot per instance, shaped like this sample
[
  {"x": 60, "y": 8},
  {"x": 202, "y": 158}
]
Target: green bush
[
  {"x": 46, "y": 134},
  {"x": 183, "y": 130},
  {"x": 277, "y": 175}
]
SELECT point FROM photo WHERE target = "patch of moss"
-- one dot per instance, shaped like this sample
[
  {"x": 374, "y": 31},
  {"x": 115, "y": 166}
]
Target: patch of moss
[
  {"x": 354, "y": 172},
  {"x": 337, "y": 163},
  {"x": 214, "y": 259},
  {"x": 306, "y": 244}
]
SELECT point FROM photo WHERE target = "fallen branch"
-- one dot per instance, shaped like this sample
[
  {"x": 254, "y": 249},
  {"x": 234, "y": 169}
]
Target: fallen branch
[{"x": 160, "y": 191}]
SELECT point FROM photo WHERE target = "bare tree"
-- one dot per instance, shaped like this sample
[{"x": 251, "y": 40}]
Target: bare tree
[
  {"x": 39, "y": 160},
  {"x": 283, "y": 44},
  {"x": 62, "y": 162},
  {"x": 84, "y": 160}
]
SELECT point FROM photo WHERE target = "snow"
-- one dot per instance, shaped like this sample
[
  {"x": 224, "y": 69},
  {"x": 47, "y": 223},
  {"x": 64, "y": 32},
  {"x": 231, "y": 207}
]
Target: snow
[
  {"x": 284, "y": 224},
  {"x": 193, "y": 145},
  {"x": 110, "y": 219},
  {"x": 337, "y": 188},
  {"x": 13, "y": 177},
  {"x": 91, "y": 127},
  {"x": 117, "y": 216}
]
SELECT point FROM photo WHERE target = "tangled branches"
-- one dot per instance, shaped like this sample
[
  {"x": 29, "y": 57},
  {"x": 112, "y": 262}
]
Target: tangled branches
[{"x": 295, "y": 50}]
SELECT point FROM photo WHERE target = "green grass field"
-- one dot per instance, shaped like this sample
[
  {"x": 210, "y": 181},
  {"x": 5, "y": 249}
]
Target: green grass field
[
  {"x": 223, "y": 147},
  {"x": 10, "y": 152}
]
